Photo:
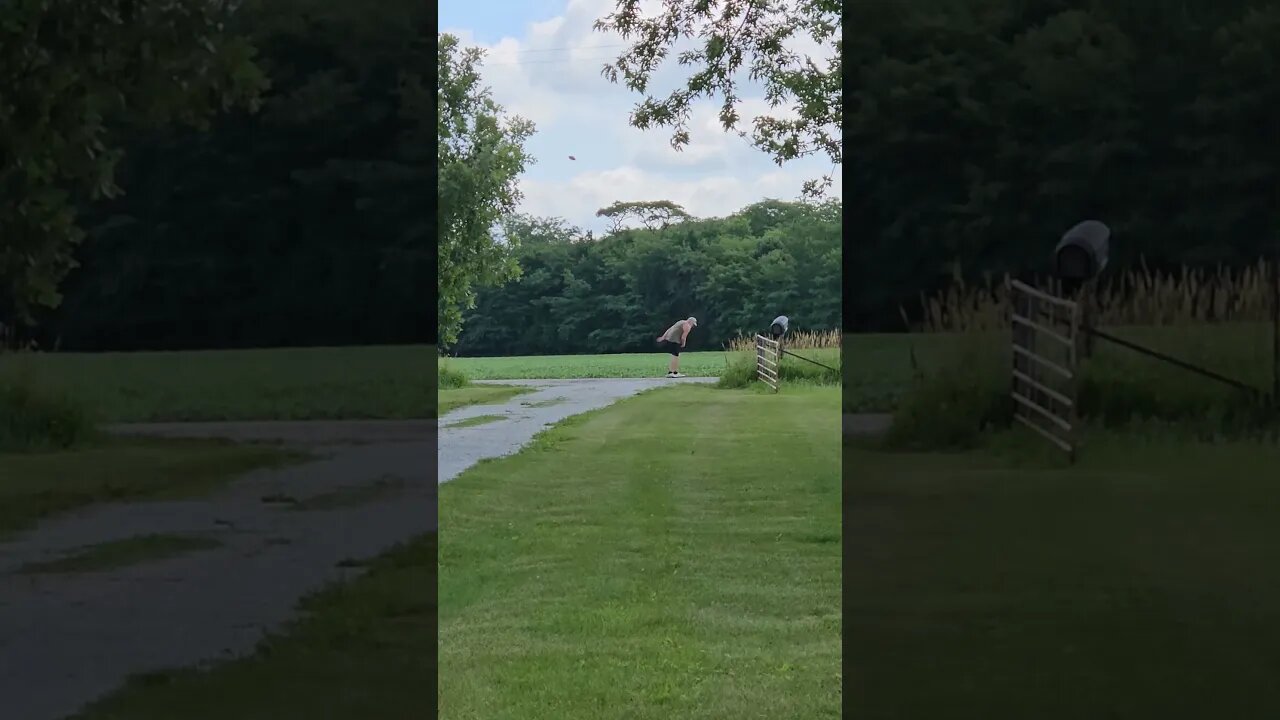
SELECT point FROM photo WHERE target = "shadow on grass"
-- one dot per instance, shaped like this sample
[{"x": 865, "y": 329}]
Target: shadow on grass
[{"x": 1000, "y": 582}]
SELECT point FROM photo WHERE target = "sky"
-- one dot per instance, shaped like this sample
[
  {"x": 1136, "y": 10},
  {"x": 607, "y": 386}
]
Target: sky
[{"x": 543, "y": 63}]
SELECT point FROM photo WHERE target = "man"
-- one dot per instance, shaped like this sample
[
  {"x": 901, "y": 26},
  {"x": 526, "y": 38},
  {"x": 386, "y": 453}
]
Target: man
[{"x": 673, "y": 341}]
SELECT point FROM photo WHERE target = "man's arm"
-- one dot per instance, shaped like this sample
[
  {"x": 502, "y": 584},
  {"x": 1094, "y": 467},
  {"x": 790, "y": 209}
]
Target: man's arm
[{"x": 684, "y": 333}]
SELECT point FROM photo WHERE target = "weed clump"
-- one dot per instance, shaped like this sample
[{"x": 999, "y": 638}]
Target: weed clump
[{"x": 36, "y": 416}]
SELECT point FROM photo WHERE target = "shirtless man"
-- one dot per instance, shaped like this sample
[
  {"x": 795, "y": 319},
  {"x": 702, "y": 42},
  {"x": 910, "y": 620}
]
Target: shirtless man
[{"x": 673, "y": 341}]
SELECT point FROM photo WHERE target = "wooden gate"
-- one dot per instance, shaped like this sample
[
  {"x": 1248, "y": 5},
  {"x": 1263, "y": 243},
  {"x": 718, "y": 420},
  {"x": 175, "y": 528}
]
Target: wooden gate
[
  {"x": 1046, "y": 329},
  {"x": 768, "y": 358}
]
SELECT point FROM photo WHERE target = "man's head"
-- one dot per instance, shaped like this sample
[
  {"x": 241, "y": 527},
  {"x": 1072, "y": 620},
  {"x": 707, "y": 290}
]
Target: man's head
[{"x": 693, "y": 321}]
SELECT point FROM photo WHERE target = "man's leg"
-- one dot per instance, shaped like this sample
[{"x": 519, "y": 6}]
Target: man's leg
[{"x": 674, "y": 365}]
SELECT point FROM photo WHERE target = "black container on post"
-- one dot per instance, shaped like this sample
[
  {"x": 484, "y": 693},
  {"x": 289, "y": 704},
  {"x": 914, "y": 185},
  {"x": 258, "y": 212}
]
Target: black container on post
[
  {"x": 1080, "y": 256},
  {"x": 778, "y": 327}
]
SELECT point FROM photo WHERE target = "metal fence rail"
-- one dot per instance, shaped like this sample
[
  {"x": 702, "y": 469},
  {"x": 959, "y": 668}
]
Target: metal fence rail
[
  {"x": 768, "y": 358},
  {"x": 1046, "y": 329}
]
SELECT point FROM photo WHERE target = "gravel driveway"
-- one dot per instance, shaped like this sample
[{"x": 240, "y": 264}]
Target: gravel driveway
[
  {"x": 526, "y": 415},
  {"x": 66, "y": 640}
]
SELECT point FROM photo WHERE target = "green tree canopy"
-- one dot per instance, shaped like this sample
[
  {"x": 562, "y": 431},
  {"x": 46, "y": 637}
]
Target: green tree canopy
[
  {"x": 72, "y": 75},
  {"x": 737, "y": 35},
  {"x": 305, "y": 223},
  {"x": 985, "y": 129},
  {"x": 652, "y": 214},
  {"x": 481, "y": 155}
]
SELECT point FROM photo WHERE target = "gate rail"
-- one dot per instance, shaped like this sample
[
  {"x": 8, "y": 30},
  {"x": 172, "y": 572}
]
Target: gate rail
[
  {"x": 768, "y": 358},
  {"x": 1044, "y": 387}
]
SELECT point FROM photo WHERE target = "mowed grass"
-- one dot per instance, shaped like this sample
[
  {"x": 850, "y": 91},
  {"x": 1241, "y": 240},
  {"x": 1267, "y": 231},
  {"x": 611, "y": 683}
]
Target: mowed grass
[
  {"x": 1142, "y": 583},
  {"x": 676, "y": 555},
  {"x": 276, "y": 384},
  {"x": 454, "y": 398},
  {"x": 123, "y": 553},
  {"x": 34, "y": 486},
  {"x": 361, "y": 650}
]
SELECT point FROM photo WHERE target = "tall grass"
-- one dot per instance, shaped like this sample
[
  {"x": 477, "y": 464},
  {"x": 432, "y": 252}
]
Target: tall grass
[
  {"x": 1136, "y": 297},
  {"x": 1211, "y": 318},
  {"x": 35, "y": 415},
  {"x": 822, "y": 347},
  {"x": 449, "y": 377}
]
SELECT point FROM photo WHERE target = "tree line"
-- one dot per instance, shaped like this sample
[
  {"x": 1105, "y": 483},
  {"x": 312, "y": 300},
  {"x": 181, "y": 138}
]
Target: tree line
[
  {"x": 180, "y": 174},
  {"x": 982, "y": 129},
  {"x": 299, "y": 214},
  {"x": 578, "y": 294}
]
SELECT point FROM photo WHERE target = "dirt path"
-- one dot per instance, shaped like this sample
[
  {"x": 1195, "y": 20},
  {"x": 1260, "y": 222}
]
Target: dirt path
[
  {"x": 526, "y": 415},
  {"x": 68, "y": 639}
]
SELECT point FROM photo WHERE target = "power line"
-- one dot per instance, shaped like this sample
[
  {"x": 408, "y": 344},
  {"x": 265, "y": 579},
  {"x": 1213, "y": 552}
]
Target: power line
[
  {"x": 547, "y": 62},
  {"x": 540, "y": 61},
  {"x": 560, "y": 49}
]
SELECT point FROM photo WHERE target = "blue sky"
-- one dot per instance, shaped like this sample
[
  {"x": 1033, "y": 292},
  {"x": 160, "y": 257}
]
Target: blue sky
[
  {"x": 543, "y": 63},
  {"x": 493, "y": 20}
]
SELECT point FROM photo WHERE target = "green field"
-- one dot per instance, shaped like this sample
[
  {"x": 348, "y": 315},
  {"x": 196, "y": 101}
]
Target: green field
[
  {"x": 1142, "y": 583},
  {"x": 622, "y": 365},
  {"x": 651, "y": 560},
  {"x": 278, "y": 384},
  {"x": 878, "y": 369}
]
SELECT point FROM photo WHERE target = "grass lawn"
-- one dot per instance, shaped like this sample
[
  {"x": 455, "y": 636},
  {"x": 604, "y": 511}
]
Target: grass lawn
[
  {"x": 453, "y": 398},
  {"x": 277, "y": 384},
  {"x": 700, "y": 586},
  {"x": 362, "y": 650},
  {"x": 37, "y": 485},
  {"x": 1142, "y": 583},
  {"x": 676, "y": 555},
  {"x": 122, "y": 553}
]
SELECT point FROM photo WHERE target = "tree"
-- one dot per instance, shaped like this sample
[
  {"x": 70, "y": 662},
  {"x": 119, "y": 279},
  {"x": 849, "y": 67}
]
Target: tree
[
  {"x": 521, "y": 230},
  {"x": 612, "y": 295},
  {"x": 733, "y": 33},
  {"x": 653, "y": 214},
  {"x": 74, "y": 74},
  {"x": 480, "y": 155},
  {"x": 300, "y": 224}
]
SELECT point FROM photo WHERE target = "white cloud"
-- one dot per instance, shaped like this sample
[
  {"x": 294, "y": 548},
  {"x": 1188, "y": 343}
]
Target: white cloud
[
  {"x": 551, "y": 75},
  {"x": 709, "y": 195}
]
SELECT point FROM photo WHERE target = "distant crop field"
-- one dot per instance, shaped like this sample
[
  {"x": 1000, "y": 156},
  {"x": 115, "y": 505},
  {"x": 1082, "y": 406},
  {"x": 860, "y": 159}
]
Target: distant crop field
[
  {"x": 622, "y": 365},
  {"x": 274, "y": 384}
]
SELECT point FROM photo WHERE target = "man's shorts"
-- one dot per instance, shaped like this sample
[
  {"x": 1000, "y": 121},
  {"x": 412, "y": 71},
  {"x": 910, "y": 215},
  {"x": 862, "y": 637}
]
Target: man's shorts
[{"x": 671, "y": 347}]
